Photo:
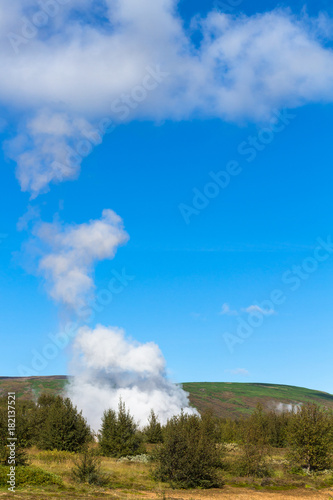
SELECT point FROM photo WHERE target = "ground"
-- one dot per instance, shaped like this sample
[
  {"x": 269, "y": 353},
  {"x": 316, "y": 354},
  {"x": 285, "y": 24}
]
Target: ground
[{"x": 133, "y": 480}]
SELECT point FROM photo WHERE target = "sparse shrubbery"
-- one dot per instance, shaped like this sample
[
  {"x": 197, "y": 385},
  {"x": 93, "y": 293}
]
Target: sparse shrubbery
[
  {"x": 34, "y": 476},
  {"x": 190, "y": 451}
]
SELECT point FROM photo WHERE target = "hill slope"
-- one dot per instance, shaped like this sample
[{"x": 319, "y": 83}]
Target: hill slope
[
  {"x": 236, "y": 399},
  {"x": 226, "y": 399}
]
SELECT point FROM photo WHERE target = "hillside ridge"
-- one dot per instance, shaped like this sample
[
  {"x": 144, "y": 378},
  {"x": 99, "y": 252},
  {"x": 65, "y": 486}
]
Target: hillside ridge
[{"x": 226, "y": 399}]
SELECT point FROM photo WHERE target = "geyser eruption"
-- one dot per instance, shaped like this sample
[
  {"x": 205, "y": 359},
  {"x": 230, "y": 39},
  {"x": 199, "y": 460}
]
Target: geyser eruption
[{"x": 108, "y": 366}]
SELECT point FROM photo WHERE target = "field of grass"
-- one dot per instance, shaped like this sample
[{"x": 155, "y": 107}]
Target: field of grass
[
  {"x": 130, "y": 480},
  {"x": 229, "y": 400}
]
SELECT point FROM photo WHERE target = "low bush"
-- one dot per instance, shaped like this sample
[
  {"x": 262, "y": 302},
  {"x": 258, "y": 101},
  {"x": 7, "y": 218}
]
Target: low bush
[
  {"x": 87, "y": 469},
  {"x": 33, "y": 476}
]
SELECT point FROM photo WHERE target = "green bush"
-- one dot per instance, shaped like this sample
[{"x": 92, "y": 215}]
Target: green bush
[
  {"x": 62, "y": 427},
  {"x": 310, "y": 437},
  {"x": 25, "y": 422},
  {"x": 153, "y": 431},
  {"x": 33, "y": 476},
  {"x": 87, "y": 469},
  {"x": 21, "y": 457},
  {"x": 255, "y": 447},
  {"x": 119, "y": 435},
  {"x": 189, "y": 457}
]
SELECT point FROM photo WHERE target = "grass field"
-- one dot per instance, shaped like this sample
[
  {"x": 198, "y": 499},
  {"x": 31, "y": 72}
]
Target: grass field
[
  {"x": 226, "y": 399},
  {"x": 129, "y": 480}
]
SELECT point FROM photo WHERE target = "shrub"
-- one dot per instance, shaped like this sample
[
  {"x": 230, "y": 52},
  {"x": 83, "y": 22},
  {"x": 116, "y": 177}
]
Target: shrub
[
  {"x": 25, "y": 422},
  {"x": 21, "y": 457},
  {"x": 119, "y": 435},
  {"x": 153, "y": 431},
  {"x": 34, "y": 476},
  {"x": 188, "y": 458},
  {"x": 62, "y": 427},
  {"x": 310, "y": 436},
  {"x": 254, "y": 447},
  {"x": 87, "y": 470}
]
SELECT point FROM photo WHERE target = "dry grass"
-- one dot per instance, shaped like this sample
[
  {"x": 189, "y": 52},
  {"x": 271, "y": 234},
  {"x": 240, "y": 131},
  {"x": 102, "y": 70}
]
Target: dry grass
[{"x": 134, "y": 481}]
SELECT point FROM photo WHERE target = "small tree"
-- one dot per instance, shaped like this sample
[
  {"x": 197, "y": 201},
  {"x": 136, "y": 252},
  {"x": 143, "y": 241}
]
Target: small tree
[
  {"x": 87, "y": 469},
  {"x": 21, "y": 457},
  {"x": 62, "y": 426},
  {"x": 277, "y": 428},
  {"x": 188, "y": 457},
  {"x": 153, "y": 431},
  {"x": 310, "y": 436},
  {"x": 255, "y": 446},
  {"x": 118, "y": 435}
]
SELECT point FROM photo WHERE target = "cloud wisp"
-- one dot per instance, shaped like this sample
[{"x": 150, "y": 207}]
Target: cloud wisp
[
  {"x": 226, "y": 311},
  {"x": 67, "y": 255},
  {"x": 257, "y": 309},
  {"x": 239, "y": 371},
  {"x": 252, "y": 309}
]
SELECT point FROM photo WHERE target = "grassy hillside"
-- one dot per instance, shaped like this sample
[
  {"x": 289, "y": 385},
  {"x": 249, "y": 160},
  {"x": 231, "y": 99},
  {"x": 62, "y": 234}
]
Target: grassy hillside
[
  {"x": 31, "y": 387},
  {"x": 226, "y": 399},
  {"x": 235, "y": 400}
]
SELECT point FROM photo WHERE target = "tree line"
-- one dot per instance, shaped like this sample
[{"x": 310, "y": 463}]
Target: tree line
[{"x": 189, "y": 450}]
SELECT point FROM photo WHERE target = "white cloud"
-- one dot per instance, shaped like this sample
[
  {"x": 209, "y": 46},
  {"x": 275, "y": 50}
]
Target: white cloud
[
  {"x": 68, "y": 255},
  {"x": 225, "y": 310},
  {"x": 69, "y": 75},
  {"x": 257, "y": 309},
  {"x": 239, "y": 371},
  {"x": 108, "y": 366}
]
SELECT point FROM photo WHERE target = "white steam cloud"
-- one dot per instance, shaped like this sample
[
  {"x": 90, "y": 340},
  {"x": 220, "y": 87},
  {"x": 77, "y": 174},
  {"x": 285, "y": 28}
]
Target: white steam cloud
[
  {"x": 70, "y": 253},
  {"x": 108, "y": 366},
  {"x": 287, "y": 407},
  {"x": 76, "y": 68}
]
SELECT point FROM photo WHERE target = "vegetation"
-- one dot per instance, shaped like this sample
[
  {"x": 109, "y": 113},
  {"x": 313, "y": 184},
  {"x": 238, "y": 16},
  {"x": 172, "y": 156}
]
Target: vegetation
[
  {"x": 311, "y": 438},
  {"x": 255, "y": 447},
  {"x": 227, "y": 400},
  {"x": 61, "y": 426},
  {"x": 266, "y": 450},
  {"x": 153, "y": 431},
  {"x": 87, "y": 469},
  {"x": 33, "y": 476},
  {"x": 189, "y": 457},
  {"x": 237, "y": 400},
  {"x": 119, "y": 434}
]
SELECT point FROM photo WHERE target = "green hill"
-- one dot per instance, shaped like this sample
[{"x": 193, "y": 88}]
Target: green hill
[
  {"x": 226, "y": 399},
  {"x": 236, "y": 400}
]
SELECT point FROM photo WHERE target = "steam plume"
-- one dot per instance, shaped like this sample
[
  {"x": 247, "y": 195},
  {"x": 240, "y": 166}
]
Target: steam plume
[
  {"x": 70, "y": 253},
  {"x": 108, "y": 366}
]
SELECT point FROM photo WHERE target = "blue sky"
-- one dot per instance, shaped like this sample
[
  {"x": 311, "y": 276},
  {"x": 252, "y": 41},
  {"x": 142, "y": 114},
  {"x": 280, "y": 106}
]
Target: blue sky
[{"x": 234, "y": 251}]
